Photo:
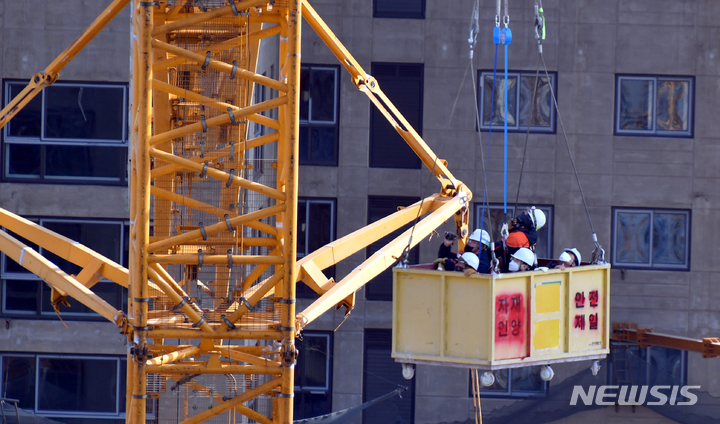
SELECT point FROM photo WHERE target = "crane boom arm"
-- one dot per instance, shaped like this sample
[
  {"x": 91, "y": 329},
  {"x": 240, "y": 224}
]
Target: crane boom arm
[{"x": 644, "y": 337}]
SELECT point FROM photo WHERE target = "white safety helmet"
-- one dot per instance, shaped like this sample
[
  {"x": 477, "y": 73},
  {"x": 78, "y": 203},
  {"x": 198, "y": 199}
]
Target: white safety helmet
[
  {"x": 538, "y": 217},
  {"x": 481, "y": 236},
  {"x": 471, "y": 259},
  {"x": 565, "y": 257},
  {"x": 524, "y": 254}
]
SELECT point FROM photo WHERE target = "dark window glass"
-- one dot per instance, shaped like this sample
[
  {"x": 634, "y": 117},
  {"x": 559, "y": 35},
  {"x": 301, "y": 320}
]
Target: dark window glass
[
  {"x": 382, "y": 376},
  {"x": 20, "y": 295},
  {"x": 87, "y": 162},
  {"x": 513, "y": 382},
  {"x": 41, "y": 141},
  {"x": 407, "y": 9},
  {"x": 18, "y": 378},
  {"x": 84, "y": 112},
  {"x": 522, "y": 112},
  {"x": 315, "y": 229},
  {"x": 653, "y": 239},
  {"x": 654, "y": 105},
  {"x": 69, "y": 384},
  {"x": 319, "y": 99},
  {"x": 380, "y": 287},
  {"x": 23, "y": 160},
  {"x": 27, "y": 122},
  {"x": 403, "y": 85},
  {"x": 312, "y": 375}
]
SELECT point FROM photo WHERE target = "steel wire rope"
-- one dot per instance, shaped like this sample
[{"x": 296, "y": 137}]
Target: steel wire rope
[
  {"x": 527, "y": 136},
  {"x": 598, "y": 249},
  {"x": 423, "y": 188}
]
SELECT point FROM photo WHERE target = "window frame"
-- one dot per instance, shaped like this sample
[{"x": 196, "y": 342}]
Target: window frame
[
  {"x": 120, "y": 364},
  {"x": 399, "y": 15},
  {"x": 43, "y": 142},
  {"x": 309, "y": 124},
  {"x": 303, "y": 291},
  {"x": 509, "y": 393},
  {"x": 654, "y": 132},
  {"x": 517, "y": 128},
  {"x": 549, "y": 211},
  {"x": 650, "y": 266},
  {"x": 328, "y": 388},
  {"x": 644, "y": 354},
  {"x": 373, "y": 290},
  {"x": 386, "y": 145},
  {"x": 39, "y": 313}
]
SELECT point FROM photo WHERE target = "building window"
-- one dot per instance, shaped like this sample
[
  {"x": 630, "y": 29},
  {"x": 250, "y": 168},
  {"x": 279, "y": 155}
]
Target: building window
[
  {"x": 629, "y": 364},
  {"x": 654, "y": 106},
  {"x": 514, "y": 383},
  {"x": 382, "y": 376},
  {"x": 521, "y": 111},
  {"x": 381, "y": 287},
  {"x": 402, "y": 83},
  {"x": 651, "y": 238},
  {"x": 70, "y": 132},
  {"x": 313, "y": 375},
  {"x": 67, "y": 388},
  {"x": 319, "y": 114},
  {"x": 315, "y": 228},
  {"x": 25, "y": 295},
  {"x": 543, "y": 247},
  {"x": 401, "y": 9}
]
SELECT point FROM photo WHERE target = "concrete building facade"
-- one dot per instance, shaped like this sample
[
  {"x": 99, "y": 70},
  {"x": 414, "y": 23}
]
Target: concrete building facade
[{"x": 648, "y": 173}]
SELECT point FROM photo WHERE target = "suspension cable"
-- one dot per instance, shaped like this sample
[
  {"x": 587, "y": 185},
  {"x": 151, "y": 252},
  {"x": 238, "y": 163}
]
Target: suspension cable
[
  {"x": 527, "y": 136},
  {"x": 598, "y": 255}
]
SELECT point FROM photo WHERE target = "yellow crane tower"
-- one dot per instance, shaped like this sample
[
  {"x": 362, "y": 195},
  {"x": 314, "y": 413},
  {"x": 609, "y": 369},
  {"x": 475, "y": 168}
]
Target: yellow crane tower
[{"x": 213, "y": 270}]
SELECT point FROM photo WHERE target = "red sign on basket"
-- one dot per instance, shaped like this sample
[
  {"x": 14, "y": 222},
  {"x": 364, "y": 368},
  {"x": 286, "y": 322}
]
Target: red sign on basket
[{"x": 510, "y": 326}]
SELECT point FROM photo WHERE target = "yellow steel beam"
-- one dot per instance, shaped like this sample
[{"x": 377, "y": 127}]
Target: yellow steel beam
[
  {"x": 57, "y": 278},
  {"x": 244, "y": 307},
  {"x": 212, "y": 156},
  {"x": 222, "y": 66},
  {"x": 218, "y": 175},
  {"x": 246, "y": 357},
  {"x": 337, "y": 250},
  {"x": 63, "y": 247},
  {"x": 380, "y": 260},
  {"x": 174, "y": 356},
  {"x": 216, "y": 259},
  {"x": 232, "y": 403},
  {"x": 215, "y": 228},
  {"x": 196, "y": 334},
  {"x": 202, "y": 368},
  {"x": 217, "y": 120},
  {"x": 204, "y": 17},
  {"x": 214, "y": 48}
]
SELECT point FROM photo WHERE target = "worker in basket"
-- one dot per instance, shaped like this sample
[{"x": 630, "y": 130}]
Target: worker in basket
[
  {"x": 570, "y": 257},
  {"x": 479, "y": 244},
  {"x": 522, "y": 231},
  {"x": 467, "y": 263},
  {"x": 522, "y": 260}
]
